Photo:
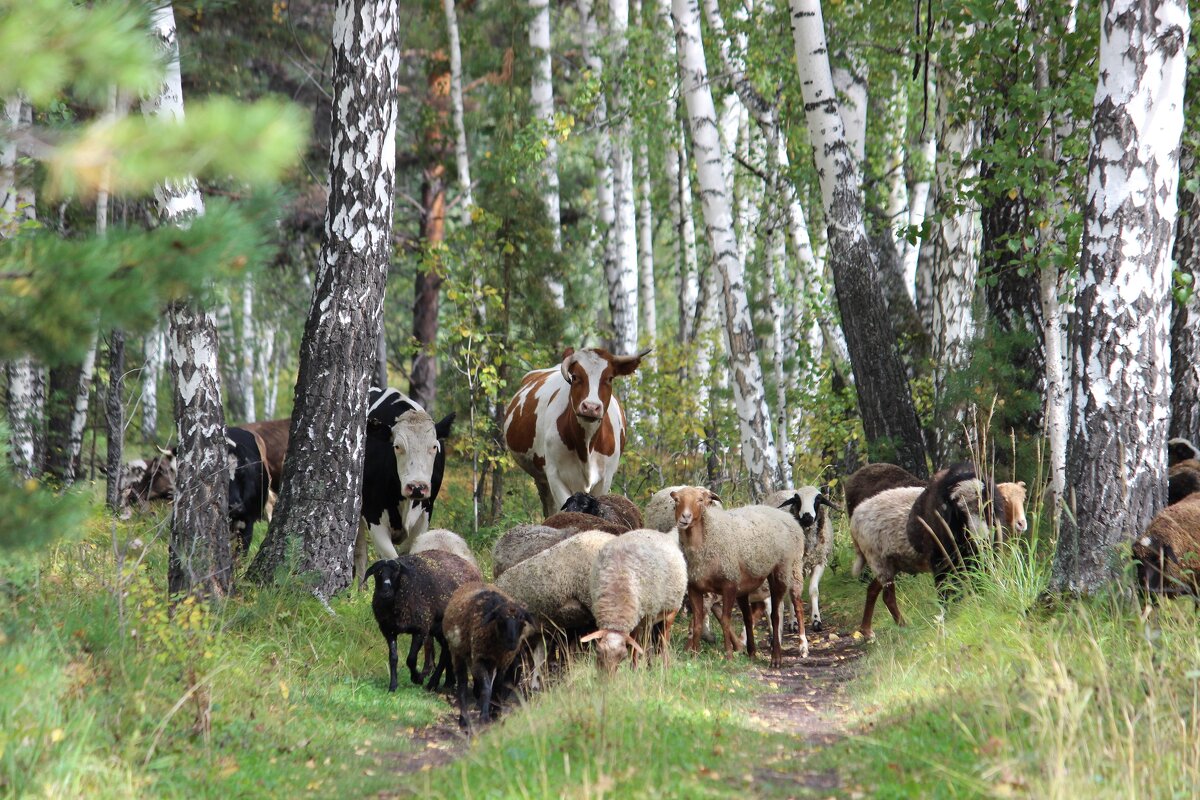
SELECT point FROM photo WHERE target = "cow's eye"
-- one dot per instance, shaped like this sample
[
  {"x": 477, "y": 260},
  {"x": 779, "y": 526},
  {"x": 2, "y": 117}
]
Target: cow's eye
[{"x": 608, "y": 381}]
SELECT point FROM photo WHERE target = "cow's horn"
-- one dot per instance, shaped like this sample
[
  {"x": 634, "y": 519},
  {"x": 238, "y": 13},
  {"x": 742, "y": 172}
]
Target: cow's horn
[
  {"x": 565, "y": 366},
  {"x": 628, "y": 359}
]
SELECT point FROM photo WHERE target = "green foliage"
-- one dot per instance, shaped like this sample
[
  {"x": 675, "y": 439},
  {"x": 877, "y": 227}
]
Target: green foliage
[
  {"x": 219, "y": 138},
  {"x": 123, "y": 280},
  {"x": 50, "y": 46},
  {"x": 33, "y": 517}
]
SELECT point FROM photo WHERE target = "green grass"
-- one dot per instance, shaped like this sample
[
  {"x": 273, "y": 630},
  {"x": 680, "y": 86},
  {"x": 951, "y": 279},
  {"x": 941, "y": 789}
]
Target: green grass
[{"x": 102, "y": 694}]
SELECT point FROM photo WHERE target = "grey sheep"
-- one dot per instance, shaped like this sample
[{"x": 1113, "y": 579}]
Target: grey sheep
[
  {"x": 638, "y": 581},
  {"x": 524, "y": 541},
  {"x": 411, "y": 593},
  {"x": 554, "y": 584},
  {"x": 613, "y": 507},
  {"x": 445, "y": 540},
  {"x": 484, "y": 630},
  {"x": 731, "y": 553}
]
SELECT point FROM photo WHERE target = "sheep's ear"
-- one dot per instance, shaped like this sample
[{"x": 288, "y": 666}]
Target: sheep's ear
[
  {"x": 593, "y": 636},
  {"x": 1021, "y": 484},
  {"x": 675, "y": 496},
  {"x": 712, "y": 497},
  {"x": 633, "y": 643},
  {"x": 373, "y": 570}
]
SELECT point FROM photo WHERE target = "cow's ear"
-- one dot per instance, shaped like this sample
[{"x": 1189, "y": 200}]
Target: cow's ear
[{"x": 442, "y": 429}]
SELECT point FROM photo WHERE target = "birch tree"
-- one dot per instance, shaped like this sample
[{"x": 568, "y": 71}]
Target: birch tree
[
  {"x": 542, "y": 97},
  {"x": 623, "y": 278},
  {"x": 749, "y": 394},
  {"x": 318, "y": 504},
  {"x": 462, "y": 158},
  {"x": 200, "y": 561},
  {"x": 154, "y": 352},
  {"x": 1119, "y": 337},
  {"x": 606, "y": 211},
  {"x": 884, "y": 399},
  {"x": 1185, "y": 311},
  {"x": 246, "y": 342}
]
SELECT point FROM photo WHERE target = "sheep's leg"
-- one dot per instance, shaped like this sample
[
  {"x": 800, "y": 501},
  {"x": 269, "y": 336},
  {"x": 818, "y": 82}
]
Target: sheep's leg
[
  {"x": 418, "y": 639},
  {"x": 814, "y": 594},
  {"x": 747, "y": 609},
  {"x": 779, "y": 590},
  {"x": 873, "y": 591},
  {"x": 796, "y": 593},
  {"x": 664, "y": 638},
  {"x": 442, "y": 663},
  {"x": 460, "y": 676},
  {"x": 696, "y": 600},
  {"x": 889, "y": 600},
  {"x": 485, "y": 699},
  {"x": 428, "y": 662},
  {"x": 392, "y": 659},
  {"x": 728, "y": 598}
]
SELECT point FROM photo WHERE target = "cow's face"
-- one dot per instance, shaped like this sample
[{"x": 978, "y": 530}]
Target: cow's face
[
  {"x": 415, "y": 443},
  {"x": 591, "y": 373}
]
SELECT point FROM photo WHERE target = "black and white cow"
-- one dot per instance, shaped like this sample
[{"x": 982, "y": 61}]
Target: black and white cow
[
  {"x": 250, "y": 495},
  {"x": 402, "y": 473}
]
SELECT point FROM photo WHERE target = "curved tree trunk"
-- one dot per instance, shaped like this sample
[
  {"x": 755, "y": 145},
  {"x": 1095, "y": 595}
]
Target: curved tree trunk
[
  {"x": 200, "y": 561},
  {"x": 884, "y": 398},
  {"x": 1119, "y": 337},
  {"x": 322, "y": 478},
  {"x": 749, "y": 394}
]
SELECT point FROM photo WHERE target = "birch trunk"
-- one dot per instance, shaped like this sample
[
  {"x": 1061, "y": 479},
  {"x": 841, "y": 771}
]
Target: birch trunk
[
  {"x": 114, "y": 420},
  {"x": 322, "y": 477},
  {"x": 1119, "y": 339},
  {"x": 921, "y": 166},
  {"x": 200, "y": 561},
  {"x": 758, "y": 447},
  {"x": 154, "y": 348},
  {"x": 646, "y": 292},
  {"x": 850, "y": 82},
  {"x": 1055, "y": 405},
  {"x": 542, "y": 98},
  {"x": 606, "y": 211},
  {"x": 1185, "y": 317},
  {"x": 685, "y": 231},
  {"x": 461, "y": 154},
  {"x": 246, "y": 354},
  {"x": 623, "y": 281},
  {"x": 884, "y": 398}
]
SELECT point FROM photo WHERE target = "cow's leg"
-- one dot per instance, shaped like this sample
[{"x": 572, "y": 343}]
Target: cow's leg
[
  {"x": 360, "y": 554},
  {"x": 381, "y": 534},
  {"x": 559, "y": 493},
  {"x": 546, "y": 496}
]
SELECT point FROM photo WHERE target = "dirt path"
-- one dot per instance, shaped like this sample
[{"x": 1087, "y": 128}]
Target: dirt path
[{"x": 806, "y": 702}]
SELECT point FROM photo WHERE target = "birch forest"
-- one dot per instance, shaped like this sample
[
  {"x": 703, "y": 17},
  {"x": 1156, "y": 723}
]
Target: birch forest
[{"x": 957, "y": 237}]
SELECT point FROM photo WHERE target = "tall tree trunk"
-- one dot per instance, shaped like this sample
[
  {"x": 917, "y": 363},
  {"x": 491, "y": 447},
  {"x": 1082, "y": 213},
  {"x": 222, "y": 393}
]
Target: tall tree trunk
[
  {"x": 154, "y": 348},
  {"x": 200, "y": 561},
  {"x": 426, "y": 297},
  {"x": 850, "y": 82},
  {"x": 884, "y": 398},
  {"x": 114, "y": 419},
  {"x": 606, "y": 211},
  {"x": 228, "y": 355},
  {"x": 322, "y": 477},
  {"x": 462, "y": 159},
  {"x": 246, "y": 354},
  {"x": 749, "y": 393},
  {"x": 623, "y": 280},
  {"x": 542, "y": 97},
  {"x": 1119, "y": 337},
  {"x": 1185, "y": 317},
  {"x": 646, "y": 292},
  {"x": 956, "y": 241}
]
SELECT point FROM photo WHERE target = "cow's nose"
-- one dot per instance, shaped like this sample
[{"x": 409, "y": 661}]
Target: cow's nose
[
  {"x": 1021, "y": 526},
  {"x": 590, "y": 409},
  {"x": 416, "y": 489},
  {"x": 807, "y": 519},
  {"x": 236, "y": 509}
]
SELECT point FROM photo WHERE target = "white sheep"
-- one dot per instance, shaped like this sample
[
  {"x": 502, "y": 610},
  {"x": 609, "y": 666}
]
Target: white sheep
[
  {"x": 808, "y": 505},
  {"x": 445, "y": 540},
  {"x": 638, "y": 581},
  {"x": 523, "y": 541},
  {"x": 731, "y": 553},
  {"x": 555, "y": 584}
]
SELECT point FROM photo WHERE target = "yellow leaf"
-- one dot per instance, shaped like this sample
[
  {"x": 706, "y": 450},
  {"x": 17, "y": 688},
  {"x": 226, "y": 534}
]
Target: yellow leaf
[
  {"x": 283, "y": 690},
  {"x": 1012, "y": 194},
  {"x": 57, "y": 735}
]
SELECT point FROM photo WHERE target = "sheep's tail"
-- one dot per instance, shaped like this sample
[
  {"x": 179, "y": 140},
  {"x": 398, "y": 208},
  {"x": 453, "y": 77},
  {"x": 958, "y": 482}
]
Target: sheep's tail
[{"x": 860, "y": 561}]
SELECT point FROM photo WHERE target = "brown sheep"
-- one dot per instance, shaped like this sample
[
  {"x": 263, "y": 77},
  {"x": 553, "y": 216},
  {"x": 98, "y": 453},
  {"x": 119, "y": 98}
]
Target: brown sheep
[
  {"x": 612, "y": 507},
  {"x": 872, "y": 479},
  {"x": 1011, "y": 497},
  {"x": 1183, "y": 479},
  {"x": 1168, "y": 553},
  {"x": 484, "y": 630}
]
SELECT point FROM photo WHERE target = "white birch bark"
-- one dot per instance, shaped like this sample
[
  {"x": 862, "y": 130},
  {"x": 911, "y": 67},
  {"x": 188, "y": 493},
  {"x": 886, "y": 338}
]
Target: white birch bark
[
  {"x": 758, "y": 447},
  {"x": 647, "y": 299},
  {"x": 542, "y": 98},
  {"x": 199, "y": 542},
  {"x": 623, "y": 282},
  {"x": 922, "y": 156},
  {"x": 1056, "y": 401},
  {"x": 246, "y": 343},
  {"x": 462, "y": 158},
  {"x": 1119, "y": 338},
  {"x": 897, "y": 187},
  {"x": 850, "y": 82},
  {"x": 154, "y": 348},
  {"x": 606, "y": 211}
]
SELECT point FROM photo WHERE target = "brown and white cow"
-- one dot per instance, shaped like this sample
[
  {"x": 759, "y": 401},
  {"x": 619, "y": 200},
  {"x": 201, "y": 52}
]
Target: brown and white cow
[{"x": 565, "y": 428}]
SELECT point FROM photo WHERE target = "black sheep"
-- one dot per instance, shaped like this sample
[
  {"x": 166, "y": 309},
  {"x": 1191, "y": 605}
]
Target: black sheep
[
  {"x": 411, "y": 593},
  {"x": 939, "y": 525}
]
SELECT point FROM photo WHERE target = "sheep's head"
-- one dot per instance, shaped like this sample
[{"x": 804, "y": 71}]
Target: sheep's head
[
  {"x": 583, "y": 503},
  {"x": 386, "y": 574},
  {"x": 510, "y": 621},
  {"x": 1012, "y": 504},
  {"x": 805, "y": 505},
  {"x": 971, "y": 497},
  {"x": 690, "y": 504},
  {"x": 612, "y": 648}
]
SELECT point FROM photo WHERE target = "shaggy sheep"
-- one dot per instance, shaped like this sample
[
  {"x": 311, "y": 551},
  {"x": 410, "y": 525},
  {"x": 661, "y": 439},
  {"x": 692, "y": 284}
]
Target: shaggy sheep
[
  {"x": 555, "y": 583},
  {"x": 914, "y": 530},
  {"x": 638, "y": 581},
  {"x": 1168, "y": 553},
  {"x": 411, "y": 593},
  {"x": 445, "y": 540},
  {"x": 872, "y": 479},
  {"x": 1183, "y": 479},
  {"x": 612, "y": 507},
  {"x": 731, "y": 553},
  {"x": 1180, "y": 449},
  {"x": 524, "y": 541},
  {"x": 808, "y": 505},
  {"x": 573, "y": 520},
  {"x": 484, "y": 630}
]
